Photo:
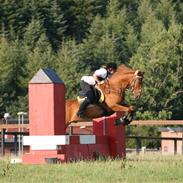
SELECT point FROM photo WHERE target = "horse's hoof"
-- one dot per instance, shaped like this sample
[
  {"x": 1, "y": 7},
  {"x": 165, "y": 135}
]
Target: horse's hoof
[
  {"x": 127, "y": 122},
  {"x": 121, "y": 121},
  {"x": 117, "y": 122}
]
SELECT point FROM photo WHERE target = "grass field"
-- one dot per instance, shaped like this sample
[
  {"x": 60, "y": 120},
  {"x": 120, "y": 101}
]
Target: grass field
[{"x": 135, "y": 169}]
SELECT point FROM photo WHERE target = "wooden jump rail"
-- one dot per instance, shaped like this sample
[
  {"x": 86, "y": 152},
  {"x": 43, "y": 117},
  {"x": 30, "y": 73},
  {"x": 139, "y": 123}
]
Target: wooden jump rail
[
  {"x": 135, "y": 122},
  {"x": 4, "y": 127},
  {"x": 157, "y": 122},
  {"x": 89, "y": 124},
  {"x": 12, "y": 126}
]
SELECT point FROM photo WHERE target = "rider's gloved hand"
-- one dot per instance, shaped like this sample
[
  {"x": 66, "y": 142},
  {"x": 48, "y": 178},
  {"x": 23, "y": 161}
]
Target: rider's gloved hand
[{"x": 101, "y": 82}]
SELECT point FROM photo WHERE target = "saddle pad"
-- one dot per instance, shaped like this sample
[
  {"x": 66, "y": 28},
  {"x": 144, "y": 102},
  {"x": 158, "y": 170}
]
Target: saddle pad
[{"x": 102, "y": 97}]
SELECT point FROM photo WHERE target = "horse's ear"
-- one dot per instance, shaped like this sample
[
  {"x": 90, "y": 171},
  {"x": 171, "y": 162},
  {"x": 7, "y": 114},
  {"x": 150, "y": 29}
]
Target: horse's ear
[
  {"x": 139, "y": 73},
  {"x": 136, "y": 73}
]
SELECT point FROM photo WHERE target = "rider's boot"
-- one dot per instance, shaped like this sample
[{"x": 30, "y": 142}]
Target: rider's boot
[{"x": 82, "y": 107}]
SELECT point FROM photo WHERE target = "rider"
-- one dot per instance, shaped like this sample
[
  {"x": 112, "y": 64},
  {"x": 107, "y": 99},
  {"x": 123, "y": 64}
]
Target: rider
[{"x": 88, "y": 83}]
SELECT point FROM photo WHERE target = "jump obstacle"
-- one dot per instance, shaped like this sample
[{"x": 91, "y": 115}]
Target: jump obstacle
[{"x": 47, "y": 134}]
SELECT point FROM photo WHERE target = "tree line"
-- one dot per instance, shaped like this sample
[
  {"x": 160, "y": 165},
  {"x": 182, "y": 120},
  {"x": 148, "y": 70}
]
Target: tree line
[{"x": 75, "y": 37}]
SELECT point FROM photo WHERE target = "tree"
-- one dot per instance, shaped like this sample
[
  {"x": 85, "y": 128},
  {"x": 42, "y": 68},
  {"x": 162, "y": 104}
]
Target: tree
[
  {"x": 33, "y": 33},
  {"x": 12, "y": 62},
  {"x": 179, "y": 10},
  {"x": 69, "y": 68},
  {"x": 165, "y": 11},
  {"x": 55, "y": 25},
  {"x": 110, "y": 39},
  {"x": 79, "y": 15},
  {"x": 160, "y": 56},
  {"x": 41, "y": 56}
]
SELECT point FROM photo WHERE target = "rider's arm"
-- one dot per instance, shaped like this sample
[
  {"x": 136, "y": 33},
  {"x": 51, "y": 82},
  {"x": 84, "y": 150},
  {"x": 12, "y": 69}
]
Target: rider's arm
[
  {"x": 96, "y": 78},
  {"x": 100, "y": 73}
]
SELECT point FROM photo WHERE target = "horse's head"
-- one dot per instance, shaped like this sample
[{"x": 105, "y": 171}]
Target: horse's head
[
  {"x": 135, "y": 83},
  {"x": 126, "y": 78}
]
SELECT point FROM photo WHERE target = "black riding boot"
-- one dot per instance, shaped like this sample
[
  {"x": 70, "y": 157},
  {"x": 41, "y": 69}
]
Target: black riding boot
[{"x": 82, "y": 107}]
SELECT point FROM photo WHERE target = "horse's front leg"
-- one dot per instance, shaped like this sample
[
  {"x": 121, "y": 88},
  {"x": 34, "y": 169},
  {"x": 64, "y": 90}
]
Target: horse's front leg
[
  {"x": 128, "y": 117},
  {"x": 117, "y": 107}
]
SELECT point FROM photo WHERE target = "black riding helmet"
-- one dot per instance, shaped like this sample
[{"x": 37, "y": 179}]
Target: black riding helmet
[
  {"x": 111, "y": 68},
  {"x": 111, "y": 65}
]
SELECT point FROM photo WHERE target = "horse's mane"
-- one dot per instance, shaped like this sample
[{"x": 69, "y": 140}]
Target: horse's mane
[{"x": 123, "y": 69}]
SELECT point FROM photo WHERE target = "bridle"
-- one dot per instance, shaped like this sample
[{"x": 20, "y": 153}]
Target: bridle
[{"x": 131, "y": 85}]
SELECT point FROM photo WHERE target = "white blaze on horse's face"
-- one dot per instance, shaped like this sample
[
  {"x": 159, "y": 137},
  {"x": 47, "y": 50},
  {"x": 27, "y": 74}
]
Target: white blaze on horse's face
[{"x": 136, "y": 83}]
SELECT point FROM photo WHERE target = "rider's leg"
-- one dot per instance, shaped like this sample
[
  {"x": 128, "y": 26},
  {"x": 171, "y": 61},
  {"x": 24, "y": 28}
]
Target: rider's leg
[
  {"x": 86, "y": 89},
  {"x": 82, "y": 108},
  {"x": 88, "y": 100}
]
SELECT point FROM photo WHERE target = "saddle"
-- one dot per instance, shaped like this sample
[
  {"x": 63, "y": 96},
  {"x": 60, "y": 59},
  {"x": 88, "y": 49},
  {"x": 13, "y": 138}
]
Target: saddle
[{"x": 81, "y": 97}]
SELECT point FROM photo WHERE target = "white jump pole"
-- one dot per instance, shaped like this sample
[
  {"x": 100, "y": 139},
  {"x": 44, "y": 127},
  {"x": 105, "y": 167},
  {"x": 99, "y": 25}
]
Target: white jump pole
[{"x": 20, "y": 122}]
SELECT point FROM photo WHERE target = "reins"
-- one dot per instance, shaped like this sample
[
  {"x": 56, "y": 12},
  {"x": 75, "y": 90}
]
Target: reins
[
  {"x": 106, "y": 88},
  {"x": 120, "y": 91}
]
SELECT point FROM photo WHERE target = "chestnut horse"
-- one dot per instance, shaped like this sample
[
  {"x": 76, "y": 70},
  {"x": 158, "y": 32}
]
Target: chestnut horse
[{"x": 114, "y": 91}]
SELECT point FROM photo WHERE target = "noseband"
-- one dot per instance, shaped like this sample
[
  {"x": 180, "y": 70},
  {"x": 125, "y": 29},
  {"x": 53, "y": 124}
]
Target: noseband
[{"x": 134, "y": 80}]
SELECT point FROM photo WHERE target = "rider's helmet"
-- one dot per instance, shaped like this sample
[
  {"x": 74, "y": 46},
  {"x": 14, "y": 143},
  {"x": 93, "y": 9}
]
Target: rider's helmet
[{"x": 111, "y": 67}]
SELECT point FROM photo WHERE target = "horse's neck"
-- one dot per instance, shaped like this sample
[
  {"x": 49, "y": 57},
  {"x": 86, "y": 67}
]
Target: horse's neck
[
  {"x": 112, "y": 87},
  {"x": 117, "y": 84},
  {"x": 121, "y": 81}
]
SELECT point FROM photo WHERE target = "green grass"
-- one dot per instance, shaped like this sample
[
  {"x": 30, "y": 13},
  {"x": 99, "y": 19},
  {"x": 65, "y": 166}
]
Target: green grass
[{"x": 144, "y": 168}]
